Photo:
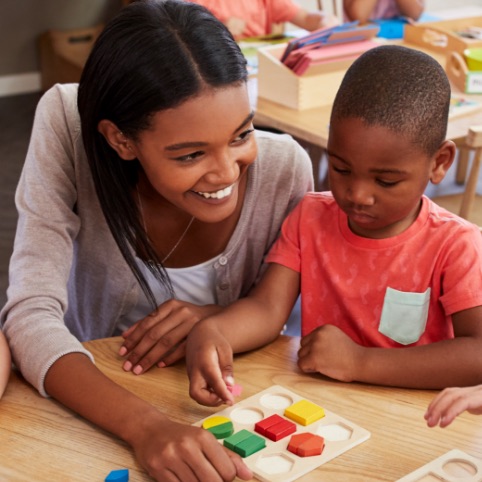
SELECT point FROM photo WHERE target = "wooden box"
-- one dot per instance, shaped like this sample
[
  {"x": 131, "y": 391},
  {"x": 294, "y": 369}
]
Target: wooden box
[
  {"x": 316, "y": 88},
  {"x": 63, "y": 54},
  {"x": 469, "y": 82},
  {"x": 442, "y": 36}
]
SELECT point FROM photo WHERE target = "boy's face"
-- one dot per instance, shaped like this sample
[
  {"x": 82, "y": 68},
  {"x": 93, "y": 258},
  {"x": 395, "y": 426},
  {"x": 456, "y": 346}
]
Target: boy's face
[{"x": 377, "y": 177}]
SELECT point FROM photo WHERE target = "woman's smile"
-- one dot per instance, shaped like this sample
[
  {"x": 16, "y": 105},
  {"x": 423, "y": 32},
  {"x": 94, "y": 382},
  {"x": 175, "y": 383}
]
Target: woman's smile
[{"x": 221, "y": 194}]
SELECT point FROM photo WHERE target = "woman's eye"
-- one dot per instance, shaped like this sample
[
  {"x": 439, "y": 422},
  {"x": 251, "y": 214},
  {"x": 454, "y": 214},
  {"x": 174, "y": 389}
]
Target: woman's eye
[
  {"x": 189, "y": 157},
  {"x": 243, "y": 137}
]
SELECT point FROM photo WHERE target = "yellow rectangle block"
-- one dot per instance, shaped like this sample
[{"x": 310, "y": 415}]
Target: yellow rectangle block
[{"x": 304, "y": 412}]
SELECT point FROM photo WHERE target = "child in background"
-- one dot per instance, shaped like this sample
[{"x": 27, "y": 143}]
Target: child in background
[
  {"x": 5, "y": 363},
  {"x": 254, "y": 18},
  {"x": 364, "y": 10},
  {"x": 391, "y": 283},
  {"x": 452, "y": 402}
]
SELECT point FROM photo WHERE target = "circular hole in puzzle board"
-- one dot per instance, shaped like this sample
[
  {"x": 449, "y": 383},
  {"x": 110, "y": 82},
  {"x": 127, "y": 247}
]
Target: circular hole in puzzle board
[
  {"x": 276, "y": 401},
  {"x": 335, "y": 432},
  {"x": 247, "y": 416},
  {"x": 275, "y": 464},
  {"x": 459, "y": 468}
]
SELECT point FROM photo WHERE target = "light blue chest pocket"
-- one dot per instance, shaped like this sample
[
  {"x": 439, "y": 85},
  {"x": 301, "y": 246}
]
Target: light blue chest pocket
[{"x": 404, "y": 315}]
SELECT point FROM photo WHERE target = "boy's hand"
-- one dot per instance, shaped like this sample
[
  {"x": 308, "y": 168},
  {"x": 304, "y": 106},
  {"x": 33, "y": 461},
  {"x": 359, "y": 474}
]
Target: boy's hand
[
  {"x": 452, "y": 402},
  {"x": 329, "y": 351},
  {"x": 209, "y": 361},
  {"x": 159, "y": 338}
]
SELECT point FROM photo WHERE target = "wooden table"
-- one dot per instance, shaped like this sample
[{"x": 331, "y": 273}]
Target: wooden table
[{"x": 42, "y": 441}]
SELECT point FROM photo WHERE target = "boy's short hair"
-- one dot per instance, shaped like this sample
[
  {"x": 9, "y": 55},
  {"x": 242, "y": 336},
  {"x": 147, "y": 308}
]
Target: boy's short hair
[{"x": 399, "y": 88}]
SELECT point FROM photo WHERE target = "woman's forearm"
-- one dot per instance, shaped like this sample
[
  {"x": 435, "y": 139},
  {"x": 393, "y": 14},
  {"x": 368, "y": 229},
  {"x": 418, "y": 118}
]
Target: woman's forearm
[{"x": 75, "y": 382}]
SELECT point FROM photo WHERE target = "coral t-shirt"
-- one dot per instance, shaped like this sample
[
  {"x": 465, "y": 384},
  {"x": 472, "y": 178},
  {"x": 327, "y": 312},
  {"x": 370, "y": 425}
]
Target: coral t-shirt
[
  {"x": 258, "y": 15},
  {"x": 382, "y": 292}
]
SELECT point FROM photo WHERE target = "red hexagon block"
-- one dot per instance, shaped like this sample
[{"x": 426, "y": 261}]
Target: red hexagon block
[{"x": 306, "y": 444}]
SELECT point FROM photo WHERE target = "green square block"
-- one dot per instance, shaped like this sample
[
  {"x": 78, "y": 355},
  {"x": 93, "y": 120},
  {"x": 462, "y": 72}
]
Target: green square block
[
  {"x": 236, "y": 438},
  {"x": 249, "y": 446},
  {"x": 245, "y": 443}
]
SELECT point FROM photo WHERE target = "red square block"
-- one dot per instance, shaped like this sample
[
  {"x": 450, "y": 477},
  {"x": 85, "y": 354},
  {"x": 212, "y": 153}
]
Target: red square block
[
  {"x": 275, "y": 427},
  {"x": 264, "y": 424}
]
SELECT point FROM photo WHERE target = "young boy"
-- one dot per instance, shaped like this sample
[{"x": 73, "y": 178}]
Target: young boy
[
  {"x": 391, "y": 284},
  {"x": 254, "y": 18}
]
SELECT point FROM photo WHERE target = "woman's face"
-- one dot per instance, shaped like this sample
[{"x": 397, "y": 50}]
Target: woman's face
[{"x": 195, "y": 155}]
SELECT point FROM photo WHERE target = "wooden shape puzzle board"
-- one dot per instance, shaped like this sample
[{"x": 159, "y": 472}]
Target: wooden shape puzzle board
[
  {"x": 454, "y": 466},
  {"x": 275, "y": 463}
]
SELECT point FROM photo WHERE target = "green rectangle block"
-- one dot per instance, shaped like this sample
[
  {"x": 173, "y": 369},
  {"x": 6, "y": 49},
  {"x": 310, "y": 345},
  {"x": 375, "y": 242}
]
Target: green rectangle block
[
  {"x": 236, "y": 438},
  {"x": 250, "y": 445}
]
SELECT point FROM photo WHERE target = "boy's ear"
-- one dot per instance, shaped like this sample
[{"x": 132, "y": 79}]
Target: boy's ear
[
  {"x": 442, "y": 160},
  {"x": 116, "y": 139}
]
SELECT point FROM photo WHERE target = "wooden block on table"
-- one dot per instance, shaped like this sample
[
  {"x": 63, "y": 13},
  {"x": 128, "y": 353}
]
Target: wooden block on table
[
  {"x": 121, "y": 475},
  {"x": 304, "y": 412},
  {"x": 220, "y": 427},
  {"x": 306, "y": 444}
]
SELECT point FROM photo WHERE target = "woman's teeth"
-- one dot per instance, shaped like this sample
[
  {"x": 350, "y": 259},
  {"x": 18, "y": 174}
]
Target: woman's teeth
[{"x": 218, "y": 194}]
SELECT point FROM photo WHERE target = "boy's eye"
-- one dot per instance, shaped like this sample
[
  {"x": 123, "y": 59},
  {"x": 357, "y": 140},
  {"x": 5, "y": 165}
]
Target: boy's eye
[{"x": 387, "y": 183}]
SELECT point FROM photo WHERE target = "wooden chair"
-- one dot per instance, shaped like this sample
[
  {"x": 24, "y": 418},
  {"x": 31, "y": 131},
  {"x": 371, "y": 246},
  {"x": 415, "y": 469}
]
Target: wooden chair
[{"x": 473, "y": 141}]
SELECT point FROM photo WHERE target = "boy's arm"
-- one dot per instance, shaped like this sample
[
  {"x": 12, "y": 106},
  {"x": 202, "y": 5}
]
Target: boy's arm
[
  {"x": 246, "y": 324},
  {"x": 455, "y": 362}
]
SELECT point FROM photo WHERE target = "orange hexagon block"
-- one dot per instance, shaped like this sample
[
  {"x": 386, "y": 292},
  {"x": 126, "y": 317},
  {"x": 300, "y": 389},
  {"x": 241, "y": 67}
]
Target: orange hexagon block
[{"x": 306, "y": 444}]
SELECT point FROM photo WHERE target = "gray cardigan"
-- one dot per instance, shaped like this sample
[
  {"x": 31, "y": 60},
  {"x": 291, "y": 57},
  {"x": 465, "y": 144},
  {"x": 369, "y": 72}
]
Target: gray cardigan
[{"x": 68, "y": 280}]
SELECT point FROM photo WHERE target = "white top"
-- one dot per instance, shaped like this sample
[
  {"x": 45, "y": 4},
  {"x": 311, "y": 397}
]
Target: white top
[{"x": 194, "y": 284}]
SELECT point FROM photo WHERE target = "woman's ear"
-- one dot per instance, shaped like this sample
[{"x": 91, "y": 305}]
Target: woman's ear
[
  {"x": 442, "y": 160},
  {"x": 116, "y": 139}
]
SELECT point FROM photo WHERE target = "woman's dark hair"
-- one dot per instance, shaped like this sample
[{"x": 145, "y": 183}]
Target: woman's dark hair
[{"x": 153, "y": 55}]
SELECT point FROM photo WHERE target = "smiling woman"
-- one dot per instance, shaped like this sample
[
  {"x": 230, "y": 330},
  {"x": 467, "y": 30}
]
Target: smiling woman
[{"x": 147, "y": 201}]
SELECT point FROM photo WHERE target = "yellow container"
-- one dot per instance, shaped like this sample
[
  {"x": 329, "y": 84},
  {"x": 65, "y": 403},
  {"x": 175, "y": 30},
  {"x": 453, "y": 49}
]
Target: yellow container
[{"x": 473, "y": 58}]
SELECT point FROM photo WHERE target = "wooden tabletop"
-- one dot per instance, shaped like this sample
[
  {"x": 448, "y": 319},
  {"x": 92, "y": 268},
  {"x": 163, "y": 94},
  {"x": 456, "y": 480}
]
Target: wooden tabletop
[{"x": 42, "y": 441}]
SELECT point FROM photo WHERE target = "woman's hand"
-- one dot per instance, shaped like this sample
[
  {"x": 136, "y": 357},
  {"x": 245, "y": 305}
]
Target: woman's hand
[
  {"x": 209, "y": 362},
  {"x": 160, "y": 337},
  {"x": 170, "y": 451}
]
